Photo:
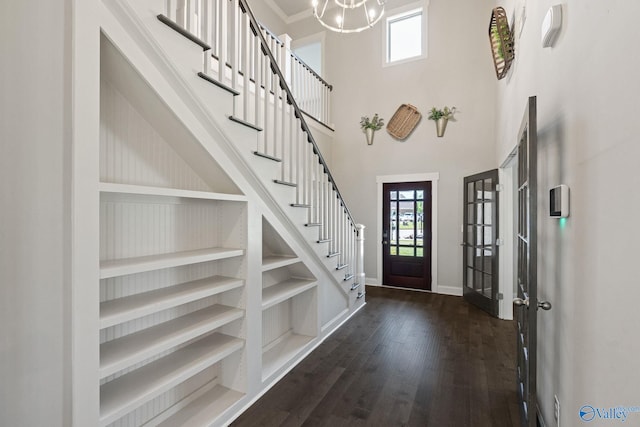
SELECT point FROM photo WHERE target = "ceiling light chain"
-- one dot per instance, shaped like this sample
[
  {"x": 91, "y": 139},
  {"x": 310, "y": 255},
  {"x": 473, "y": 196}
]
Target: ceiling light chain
[{"x": 358, "y": 21}]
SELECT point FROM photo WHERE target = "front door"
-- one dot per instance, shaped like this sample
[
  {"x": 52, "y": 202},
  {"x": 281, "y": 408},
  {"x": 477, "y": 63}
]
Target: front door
[
  {"x": 480, "y": 250},
  {"x": 406, "y": 232}
]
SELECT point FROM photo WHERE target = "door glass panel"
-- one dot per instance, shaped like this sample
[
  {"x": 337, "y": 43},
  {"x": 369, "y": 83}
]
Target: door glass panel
[
  {"x": 407, "y": 251},
  {"x": 470, "y": 192},
  {"x": 487, "y": 286},
  {"x": 393, "y": 223},
  {"x": 420, "y": 195},
  {"x": 479, "y": 234},
  {"x": 419, "y": 252},
  {"x": 407, "y": 195},
  {"x": 470, "y": 213},
  {"x": 477, "y": 280},
  {"x": 486, "y": 217},
  {"x": 470, "y": 277},
  {"x": 393, "y": 250},
  {"x": 393, "y": 195},
  {"x": 471, "y": 240},
  {"x": 470, "y": 256}
]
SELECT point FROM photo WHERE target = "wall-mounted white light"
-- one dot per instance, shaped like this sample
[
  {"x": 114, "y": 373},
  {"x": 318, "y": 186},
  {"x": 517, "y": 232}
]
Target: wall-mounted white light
[{"x": 551, "y": 25}]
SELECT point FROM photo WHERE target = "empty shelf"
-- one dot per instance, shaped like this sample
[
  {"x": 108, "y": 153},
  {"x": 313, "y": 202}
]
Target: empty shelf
[
  {"x": 124, "y": 394},
  {"x": 274, "y": 358},
  {"x": 128, "y": 308},
  {"x": 107, "y": 187},
  {"x": 134, "y": 348},
  {"x": 276, "y": 261},
  {"x": 205, "y": 409},
  {"x": 121, "y": 267},
  {"x": 284, "y": 290}
]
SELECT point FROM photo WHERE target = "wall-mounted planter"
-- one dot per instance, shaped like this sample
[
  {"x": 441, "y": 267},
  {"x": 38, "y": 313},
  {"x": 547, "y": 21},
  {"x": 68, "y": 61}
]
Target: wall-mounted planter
[
  {"x": 441, "y": 126},
  {"x": 370, "y": 133}
]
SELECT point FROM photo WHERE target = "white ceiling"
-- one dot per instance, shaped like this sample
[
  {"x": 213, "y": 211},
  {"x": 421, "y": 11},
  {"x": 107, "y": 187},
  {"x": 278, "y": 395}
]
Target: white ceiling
[{"x": 290, "y": 9}]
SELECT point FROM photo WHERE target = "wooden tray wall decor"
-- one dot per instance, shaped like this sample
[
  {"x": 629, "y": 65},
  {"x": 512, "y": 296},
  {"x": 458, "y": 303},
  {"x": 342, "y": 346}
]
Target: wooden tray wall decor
[
  {"x": 403, "y": 122},
  {"x": 501, "y": 39}
]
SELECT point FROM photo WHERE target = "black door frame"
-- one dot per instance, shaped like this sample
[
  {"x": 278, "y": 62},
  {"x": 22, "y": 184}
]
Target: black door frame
[
  {"x": 433, "y": 177},
  {"x": 412, "y": 272}
]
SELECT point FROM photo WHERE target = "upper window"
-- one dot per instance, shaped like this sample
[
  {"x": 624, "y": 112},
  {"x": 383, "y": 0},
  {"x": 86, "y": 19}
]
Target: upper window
[{"x": 405, "y": 35}]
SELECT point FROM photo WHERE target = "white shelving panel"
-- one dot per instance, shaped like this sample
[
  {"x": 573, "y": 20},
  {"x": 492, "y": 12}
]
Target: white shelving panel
[
  {"x": 142, "y": 190},
  {"x": 122, "y": 395},
  {"x": 272, "y": 262},
  {"x": 121, "y": 267},
  {"x": 204, "y": 409},
  {"x": 289, "y": 303},
  {"x": 123, "y": 352},
  {"x": 284, "y": 290},
  {"x": 276, "y": 356},
  {"x": 172, "y": 310},
  {"x": 124, "y": 309}
]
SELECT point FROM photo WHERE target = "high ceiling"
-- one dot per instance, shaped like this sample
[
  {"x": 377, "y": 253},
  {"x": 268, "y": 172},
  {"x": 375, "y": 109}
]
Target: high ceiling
[{"x": 291, "y": 7}]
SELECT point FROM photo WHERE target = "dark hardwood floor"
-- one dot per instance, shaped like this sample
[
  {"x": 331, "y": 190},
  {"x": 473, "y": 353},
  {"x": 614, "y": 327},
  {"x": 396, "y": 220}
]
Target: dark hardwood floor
[{"x": 406, "y": 359}]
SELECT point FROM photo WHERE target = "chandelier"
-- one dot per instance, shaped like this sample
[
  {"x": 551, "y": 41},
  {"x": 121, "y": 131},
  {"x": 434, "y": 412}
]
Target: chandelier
[{"x": 352, "y": 16}]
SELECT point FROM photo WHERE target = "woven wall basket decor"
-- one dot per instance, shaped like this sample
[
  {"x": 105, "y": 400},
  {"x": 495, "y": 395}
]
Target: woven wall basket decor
[
  {"x": 404, "y": 121},
  {"x": 501, "y": 39}
]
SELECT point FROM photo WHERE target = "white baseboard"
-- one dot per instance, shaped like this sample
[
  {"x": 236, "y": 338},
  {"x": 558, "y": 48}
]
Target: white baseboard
[
  {"x": 372, "y": 281},
  {"x": 449, "y": 290}
]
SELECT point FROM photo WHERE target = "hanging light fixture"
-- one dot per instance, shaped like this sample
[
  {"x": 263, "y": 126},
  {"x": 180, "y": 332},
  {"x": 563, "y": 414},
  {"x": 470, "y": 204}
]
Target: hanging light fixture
[{"x": 352, "y": 16}]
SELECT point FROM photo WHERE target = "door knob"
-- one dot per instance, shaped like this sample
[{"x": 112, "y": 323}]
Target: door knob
[
  {"x": 545, "y": 305},
  {"x": 519, "y": 302}
]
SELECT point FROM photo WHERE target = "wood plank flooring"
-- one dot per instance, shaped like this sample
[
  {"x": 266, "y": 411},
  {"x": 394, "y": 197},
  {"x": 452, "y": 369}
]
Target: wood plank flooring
[{"x": 406, "y": 359}]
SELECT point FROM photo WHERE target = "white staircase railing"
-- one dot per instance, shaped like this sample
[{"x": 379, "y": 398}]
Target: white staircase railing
[
  {"x": 246, "y": 61},
  {"x": 312, "y": 92}
]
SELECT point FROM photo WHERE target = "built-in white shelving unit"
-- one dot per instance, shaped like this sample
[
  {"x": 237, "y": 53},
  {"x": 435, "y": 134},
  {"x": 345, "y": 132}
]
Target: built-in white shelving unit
[
  {"x": 173, "y": 244},
  {"x": 289, "y": 303}
]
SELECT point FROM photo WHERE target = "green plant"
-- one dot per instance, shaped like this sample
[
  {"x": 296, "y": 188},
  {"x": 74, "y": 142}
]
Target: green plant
[
  {"x": 445, "y": 113},
  {"x": 375, "y": 123}
]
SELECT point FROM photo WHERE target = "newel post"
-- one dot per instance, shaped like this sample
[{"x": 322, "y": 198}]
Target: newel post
[{"x": 360, "y": 277}]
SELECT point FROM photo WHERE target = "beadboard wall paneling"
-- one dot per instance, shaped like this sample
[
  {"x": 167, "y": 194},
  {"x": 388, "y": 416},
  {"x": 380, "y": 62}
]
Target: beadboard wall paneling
[{"x": 133, "y": 152}]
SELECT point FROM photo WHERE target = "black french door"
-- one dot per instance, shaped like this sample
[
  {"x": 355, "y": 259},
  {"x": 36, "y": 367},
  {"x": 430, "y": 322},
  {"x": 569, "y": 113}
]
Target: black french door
[{"x": 480, "y": 249}]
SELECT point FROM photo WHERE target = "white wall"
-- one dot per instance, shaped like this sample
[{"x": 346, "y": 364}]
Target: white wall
[
  {"x": 267, "y": 17},
  {"x": 34, "y": 248},
  {"x": 458, "y": 71},
  {"x": 587, "y": 90}
]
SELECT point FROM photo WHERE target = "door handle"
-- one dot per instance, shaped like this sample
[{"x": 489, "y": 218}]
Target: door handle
[
  {"x": 519, "y": 302},
  {"x": 545, "y": 305}
]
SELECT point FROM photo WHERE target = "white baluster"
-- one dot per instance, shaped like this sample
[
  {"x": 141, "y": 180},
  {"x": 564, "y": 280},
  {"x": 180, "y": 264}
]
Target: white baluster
[
  {"x": 234, "y": 55},
  {"x": 206, "y": 25},
  {"x": 222, "y": 40},
  {"x": 246, "y": 61},
  {"x": 360, "y": 277}
]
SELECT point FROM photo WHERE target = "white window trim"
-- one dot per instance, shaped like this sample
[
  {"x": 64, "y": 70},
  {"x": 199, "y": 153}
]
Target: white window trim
[{"x": 405, "y": 10}]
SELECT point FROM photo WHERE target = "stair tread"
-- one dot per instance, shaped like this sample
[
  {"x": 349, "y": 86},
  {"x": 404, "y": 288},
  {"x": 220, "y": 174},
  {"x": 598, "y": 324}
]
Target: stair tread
[
  {"x": 217, "y": 83},
  {"x": 171, "y": 24},
  {"x": 245, "y": 123}
]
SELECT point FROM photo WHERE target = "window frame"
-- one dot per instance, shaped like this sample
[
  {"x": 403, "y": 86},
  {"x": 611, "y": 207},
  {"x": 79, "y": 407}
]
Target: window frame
[{"x": 400, "y": 13}]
